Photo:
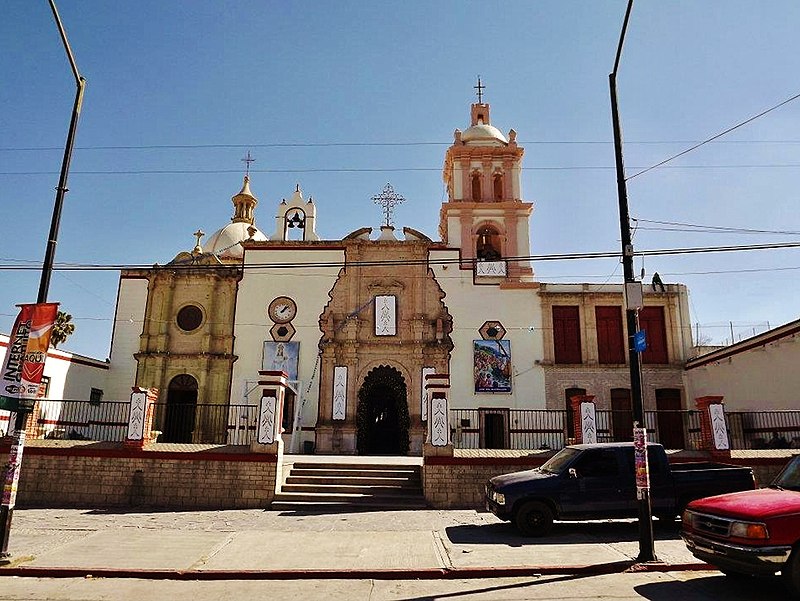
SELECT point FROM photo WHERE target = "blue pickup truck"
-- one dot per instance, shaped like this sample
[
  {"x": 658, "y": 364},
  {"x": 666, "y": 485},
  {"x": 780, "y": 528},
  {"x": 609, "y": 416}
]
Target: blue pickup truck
[{"x": 596, "y": 481}]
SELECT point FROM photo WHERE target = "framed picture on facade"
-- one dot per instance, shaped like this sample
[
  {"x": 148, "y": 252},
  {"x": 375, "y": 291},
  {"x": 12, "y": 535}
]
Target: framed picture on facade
[
  {"x": 281, "y": 356},
  {"x": 492, "y": 365}
]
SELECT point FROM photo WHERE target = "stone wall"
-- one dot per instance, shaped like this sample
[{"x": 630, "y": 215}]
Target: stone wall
[
  {"x": 458, "y": 481},
  {"x": 91, "y": 474}
]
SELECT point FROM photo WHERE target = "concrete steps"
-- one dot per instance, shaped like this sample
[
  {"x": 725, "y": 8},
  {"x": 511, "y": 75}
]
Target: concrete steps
[{"x": 318, "y": 485}]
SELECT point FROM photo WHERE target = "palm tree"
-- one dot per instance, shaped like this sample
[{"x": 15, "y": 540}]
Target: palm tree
[{"x": 62, "y": 329}]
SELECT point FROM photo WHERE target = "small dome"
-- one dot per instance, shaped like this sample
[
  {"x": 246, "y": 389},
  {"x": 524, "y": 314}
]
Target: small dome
[
  {"x": 482, "y": 133},
  {"x": 225, "y": 242}
]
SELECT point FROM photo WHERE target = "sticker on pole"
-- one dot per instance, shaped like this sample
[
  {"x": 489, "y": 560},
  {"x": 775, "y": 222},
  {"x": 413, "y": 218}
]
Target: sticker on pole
[
  {"x": 640, "y": 461},
  {"x": 640, "y": 341}
]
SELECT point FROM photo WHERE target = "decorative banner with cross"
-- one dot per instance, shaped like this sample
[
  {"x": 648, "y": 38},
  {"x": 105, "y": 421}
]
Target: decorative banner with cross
[{"x": 388, "y": 199}]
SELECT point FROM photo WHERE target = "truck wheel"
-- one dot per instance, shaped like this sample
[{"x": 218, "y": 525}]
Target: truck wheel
[
  {"x": 791, "y": 574},
  {"x": 534, "y": 519}
]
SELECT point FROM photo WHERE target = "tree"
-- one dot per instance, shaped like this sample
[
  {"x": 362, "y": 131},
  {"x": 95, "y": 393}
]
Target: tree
[{"x": 62, "y": 329}]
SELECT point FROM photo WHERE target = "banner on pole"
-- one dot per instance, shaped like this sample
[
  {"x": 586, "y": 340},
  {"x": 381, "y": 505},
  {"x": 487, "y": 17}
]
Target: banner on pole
[{"x": 23, "y": 367}]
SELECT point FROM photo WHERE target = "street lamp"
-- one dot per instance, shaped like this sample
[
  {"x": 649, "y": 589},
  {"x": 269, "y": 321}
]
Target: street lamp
[{"x": 632, "y": 291}]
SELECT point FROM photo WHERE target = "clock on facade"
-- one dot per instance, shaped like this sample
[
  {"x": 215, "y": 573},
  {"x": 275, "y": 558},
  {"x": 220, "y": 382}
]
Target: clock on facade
[{"x": 282, "y": 309}]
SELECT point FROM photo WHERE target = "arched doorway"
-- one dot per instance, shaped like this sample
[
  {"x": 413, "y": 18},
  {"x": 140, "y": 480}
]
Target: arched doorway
[
  {"x": 180, "y": 411},
  {"x": 382, "y": 414}
]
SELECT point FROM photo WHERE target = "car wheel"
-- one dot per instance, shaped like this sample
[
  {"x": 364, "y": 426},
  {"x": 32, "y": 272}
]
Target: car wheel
[
  {"x": 534, "y": 519},
  {"x": 791, "y": 574}
]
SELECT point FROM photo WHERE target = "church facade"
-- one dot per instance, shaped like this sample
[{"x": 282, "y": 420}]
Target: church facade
[{"x": 358, "y": 323}]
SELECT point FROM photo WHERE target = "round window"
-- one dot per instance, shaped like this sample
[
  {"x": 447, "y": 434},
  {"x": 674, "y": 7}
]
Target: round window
[{"x": 189, "y": 318}]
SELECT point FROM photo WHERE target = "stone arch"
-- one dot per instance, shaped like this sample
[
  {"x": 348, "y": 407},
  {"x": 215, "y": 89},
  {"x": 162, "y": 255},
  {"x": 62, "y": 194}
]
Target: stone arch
[
  {"x": 382, "y": 416},
  {"x": 181, "y": 408},
  {"x": 489, "y": 240}
]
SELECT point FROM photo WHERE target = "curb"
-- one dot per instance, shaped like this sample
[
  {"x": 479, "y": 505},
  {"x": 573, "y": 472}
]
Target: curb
[{"x": 618, "y": 567}]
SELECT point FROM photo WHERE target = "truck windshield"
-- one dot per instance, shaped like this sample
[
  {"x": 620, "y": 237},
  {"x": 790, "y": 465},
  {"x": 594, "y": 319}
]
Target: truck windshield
[
  {"x": 788, "y": 479},
  {"x": 557, "y": 463}
]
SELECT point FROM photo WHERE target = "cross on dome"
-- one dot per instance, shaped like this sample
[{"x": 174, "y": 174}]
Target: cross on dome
[{"x": 247, "y": 160}]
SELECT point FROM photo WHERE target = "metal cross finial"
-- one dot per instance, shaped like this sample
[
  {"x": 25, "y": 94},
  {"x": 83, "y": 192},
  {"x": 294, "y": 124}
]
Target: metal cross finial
[
  {"x": 480, "y": 87},
  {"x": 247, "y": 160},
  {"x": 198, "y": 234},
  {"x": 388, "y": 199}
]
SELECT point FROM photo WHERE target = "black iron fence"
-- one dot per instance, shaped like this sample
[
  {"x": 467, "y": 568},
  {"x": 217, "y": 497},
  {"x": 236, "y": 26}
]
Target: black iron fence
[
  {"x": 498, "y": 428},
  {"x": 523, "y": 429}
]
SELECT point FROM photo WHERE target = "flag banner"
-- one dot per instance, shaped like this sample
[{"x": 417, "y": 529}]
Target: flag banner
[
  {"x": 22, "y": 373},
  {"x": 23, "y": 367}
]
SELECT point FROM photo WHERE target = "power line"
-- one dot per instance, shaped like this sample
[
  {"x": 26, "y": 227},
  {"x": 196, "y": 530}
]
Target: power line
[
  {"x": 384, "y": 169},
  {"x": 715, "y": 227},
  {"x": 365, "y": 144},
  {"x": 712, "y": 138},
  {"x": 404, "y": 262}
]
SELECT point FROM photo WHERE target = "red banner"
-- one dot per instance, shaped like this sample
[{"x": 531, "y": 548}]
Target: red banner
[{"x": 23, "y": 367}]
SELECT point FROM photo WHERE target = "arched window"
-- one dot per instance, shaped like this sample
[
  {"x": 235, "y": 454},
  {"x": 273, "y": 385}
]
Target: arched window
[
  {"x": 488, "y": 244},
  {"x": 295, "y": 225},
  {"x": 476, "y": 186},
  {"x": 498, "y": 186}
]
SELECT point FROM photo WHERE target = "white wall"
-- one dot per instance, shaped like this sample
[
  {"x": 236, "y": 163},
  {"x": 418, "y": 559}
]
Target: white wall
[
  {"x": 309, "y": 288},
  {"x": 518, "y": 310},
  {"x": 128, "y": 323},
  {"x": 765, "y": 377}
]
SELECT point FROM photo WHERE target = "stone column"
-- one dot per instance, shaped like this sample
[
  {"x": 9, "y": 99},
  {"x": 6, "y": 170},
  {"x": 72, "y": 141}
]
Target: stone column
[
  {"x": 583, "y": 418},
  {"x": 268, "y": 439},
  {"x": 713, "y": 426},
  {"x": 140, "y": 417}
]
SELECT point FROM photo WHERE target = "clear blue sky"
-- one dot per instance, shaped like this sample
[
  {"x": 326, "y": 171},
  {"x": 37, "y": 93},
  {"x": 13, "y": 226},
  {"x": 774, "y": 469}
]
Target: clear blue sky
[{"x": 248, "y": 74}]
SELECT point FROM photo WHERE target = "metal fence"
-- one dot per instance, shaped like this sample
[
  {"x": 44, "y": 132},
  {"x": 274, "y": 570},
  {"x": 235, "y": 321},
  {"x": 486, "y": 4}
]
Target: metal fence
[
  {"x": 523, "y": 429},
  {"x": 764, "y": 429},
  {"x": 76, "y": 419},
  {"x": 498, "y": 428}
]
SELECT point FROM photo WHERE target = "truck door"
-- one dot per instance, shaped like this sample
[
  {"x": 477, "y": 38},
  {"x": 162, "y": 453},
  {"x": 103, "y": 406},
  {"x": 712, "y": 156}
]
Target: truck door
[{"x": 596, "y": 489}]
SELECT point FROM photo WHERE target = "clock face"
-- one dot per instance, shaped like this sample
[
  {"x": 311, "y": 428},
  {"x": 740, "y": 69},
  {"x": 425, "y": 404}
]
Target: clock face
[{"x": 282, "y": 309}]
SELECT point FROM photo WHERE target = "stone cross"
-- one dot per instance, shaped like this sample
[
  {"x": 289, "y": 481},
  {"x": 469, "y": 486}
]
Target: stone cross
[{"x": 388, "y": 199}]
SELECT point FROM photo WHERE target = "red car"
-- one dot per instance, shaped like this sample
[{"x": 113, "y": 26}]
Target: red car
[{"x": 752, "y": 533}]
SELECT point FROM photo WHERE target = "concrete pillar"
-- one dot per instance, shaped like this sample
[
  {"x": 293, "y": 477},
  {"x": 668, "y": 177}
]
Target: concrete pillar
[
  {"x": 583, "y": 418},
  {"x": 713, "y": 426},
  {"x": 437, "y": 388},
  {"x": 140, "y": 417}
]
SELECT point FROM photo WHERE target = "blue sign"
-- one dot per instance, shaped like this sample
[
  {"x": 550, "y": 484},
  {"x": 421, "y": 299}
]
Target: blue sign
[{"x": 640, "y": 341}]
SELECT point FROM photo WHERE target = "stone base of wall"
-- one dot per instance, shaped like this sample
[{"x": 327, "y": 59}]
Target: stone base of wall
[
  {"x": 90, "y": 474},
  {"x": 458, "y": 482}
]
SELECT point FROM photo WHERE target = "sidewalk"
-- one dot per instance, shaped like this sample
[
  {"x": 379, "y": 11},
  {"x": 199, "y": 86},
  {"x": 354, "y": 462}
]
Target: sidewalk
[{"x": 257, "y": 544}]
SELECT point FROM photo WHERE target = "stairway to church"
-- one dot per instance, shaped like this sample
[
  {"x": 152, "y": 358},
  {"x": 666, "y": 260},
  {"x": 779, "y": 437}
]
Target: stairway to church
[{"x": 337, "y": 485}]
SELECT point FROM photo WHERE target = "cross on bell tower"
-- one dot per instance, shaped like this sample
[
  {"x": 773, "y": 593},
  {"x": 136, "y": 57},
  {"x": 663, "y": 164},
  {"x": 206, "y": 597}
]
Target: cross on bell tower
[
  {"x": 388, "y": 199},
  {"x": 480, "y": 87}
]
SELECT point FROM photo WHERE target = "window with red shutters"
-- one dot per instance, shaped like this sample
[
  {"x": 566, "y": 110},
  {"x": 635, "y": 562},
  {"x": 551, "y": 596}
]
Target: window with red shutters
[
  {"x": 566, "y": 334},
  {"x": 610, "y": 339},
  {"x": 651, "y": 320}
]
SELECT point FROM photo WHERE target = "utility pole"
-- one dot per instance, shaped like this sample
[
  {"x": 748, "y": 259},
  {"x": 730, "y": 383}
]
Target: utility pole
[
  {"x": 632, "y": 295},
  {"x": 25, "y": 408}
]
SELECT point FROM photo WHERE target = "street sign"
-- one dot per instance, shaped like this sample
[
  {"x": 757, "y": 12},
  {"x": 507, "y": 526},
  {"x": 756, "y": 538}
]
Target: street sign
[{"x": 640, "y": 341}]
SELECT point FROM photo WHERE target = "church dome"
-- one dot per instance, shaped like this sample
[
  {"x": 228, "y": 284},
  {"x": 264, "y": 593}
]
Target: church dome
[
  {"x": 225, "y": 242},
  {"x": 482, "y": 133}
]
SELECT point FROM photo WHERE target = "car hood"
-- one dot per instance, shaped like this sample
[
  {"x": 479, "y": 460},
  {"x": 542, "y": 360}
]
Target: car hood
[
  {"x": 762, "y": 503},
  {"x": 505, "y": 480}
]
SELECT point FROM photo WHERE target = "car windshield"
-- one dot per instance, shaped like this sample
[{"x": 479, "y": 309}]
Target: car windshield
[
  {"x": 789, "y": 477},
  {"x": 556, "y": 464}
]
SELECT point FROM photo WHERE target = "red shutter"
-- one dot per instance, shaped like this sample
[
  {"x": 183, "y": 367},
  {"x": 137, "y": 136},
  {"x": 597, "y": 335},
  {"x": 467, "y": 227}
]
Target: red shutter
[
  {"x": 651, "y": 320},
  {"x": 610, "y": 339},
  {"x": 567, "y": 334}
]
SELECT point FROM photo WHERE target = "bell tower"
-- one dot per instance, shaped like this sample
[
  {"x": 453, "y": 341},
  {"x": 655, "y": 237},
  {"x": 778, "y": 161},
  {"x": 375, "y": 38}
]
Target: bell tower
[{"x": 484, "y": 215}]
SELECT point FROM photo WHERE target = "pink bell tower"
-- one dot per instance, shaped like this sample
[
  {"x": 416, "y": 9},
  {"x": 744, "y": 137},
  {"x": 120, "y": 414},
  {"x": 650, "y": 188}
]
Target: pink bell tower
[{"x": 484, "y": 215}]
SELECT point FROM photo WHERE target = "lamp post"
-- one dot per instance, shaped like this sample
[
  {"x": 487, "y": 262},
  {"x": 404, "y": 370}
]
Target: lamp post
[
  {"x": 25, "y": 408},
  {"x": 646, "y": 548}
]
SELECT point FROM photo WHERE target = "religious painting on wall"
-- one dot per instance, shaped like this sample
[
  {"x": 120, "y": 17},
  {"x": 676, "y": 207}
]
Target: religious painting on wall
[
  {"x": 281, "y": 356},
  {"x": 492, "y": 365}
]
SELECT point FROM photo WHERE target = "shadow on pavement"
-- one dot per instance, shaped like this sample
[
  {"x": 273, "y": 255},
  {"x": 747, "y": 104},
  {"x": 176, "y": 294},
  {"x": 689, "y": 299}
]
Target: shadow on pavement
[
  {"x": 715, "y": 587},
  {"x": 562, "y": 533},
  {"x": 490, "y": 589}
]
